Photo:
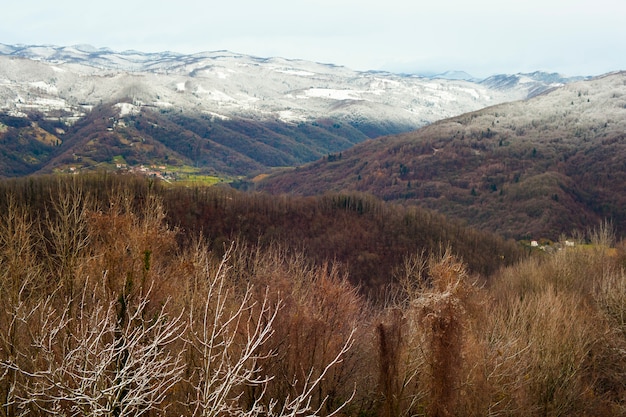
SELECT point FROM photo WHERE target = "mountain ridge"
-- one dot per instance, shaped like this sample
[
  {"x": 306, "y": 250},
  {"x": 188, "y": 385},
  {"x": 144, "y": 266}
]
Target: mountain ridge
[
  {"x": 294, "y": 89},
  {"x": 259, "y": 113},
  {"x": 539, "y": 167}
]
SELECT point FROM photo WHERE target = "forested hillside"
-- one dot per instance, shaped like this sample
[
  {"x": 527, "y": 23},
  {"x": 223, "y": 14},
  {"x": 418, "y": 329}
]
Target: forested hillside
[
  {"x": 529, "y": 169},
  {"x": 110, "y": 134},
  {"x": 119, "y": 296},
  {"x": 367, "y": 236}
]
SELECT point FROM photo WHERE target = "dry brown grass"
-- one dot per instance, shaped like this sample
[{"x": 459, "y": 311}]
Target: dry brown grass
[
  {"x": 553, "y": 328},
  {"x": 544, "y": 339}
]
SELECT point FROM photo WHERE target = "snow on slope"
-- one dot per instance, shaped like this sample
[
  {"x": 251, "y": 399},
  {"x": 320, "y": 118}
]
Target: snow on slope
[{"x": 67, "y": 81}]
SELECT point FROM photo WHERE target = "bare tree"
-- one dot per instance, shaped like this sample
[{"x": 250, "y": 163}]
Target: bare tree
[
  {"x": 66, "y": 234},
  {"x": 20, "y": 285},
  {"x": 112, "y": 351},
  {"x": 227, "y": 336},
  {"x": 301, "y": 404},
  {"x": 104, "y": 368}
]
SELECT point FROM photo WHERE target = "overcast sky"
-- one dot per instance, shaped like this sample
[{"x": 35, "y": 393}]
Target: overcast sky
[{"x": 482, "y": 37}]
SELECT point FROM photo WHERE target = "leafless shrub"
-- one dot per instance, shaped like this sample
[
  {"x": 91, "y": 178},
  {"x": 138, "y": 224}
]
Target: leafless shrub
[
  {"x": 321, "y": 314},
  {"x": 444, "y": 311},
  {"x": 425, "y": 342},
  {"x": 603, "y": 235},
  {"x": 549, "y": 340},
  {"x": 93, "y": 364},
  {"x": 21, "y": 285}
]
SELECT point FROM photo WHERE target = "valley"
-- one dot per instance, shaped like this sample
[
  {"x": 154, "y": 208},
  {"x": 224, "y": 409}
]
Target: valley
[
  {"x": 224, "y": 113},
  {"x": 222, "y": 234},
  {"x": 532, "y": 163}
]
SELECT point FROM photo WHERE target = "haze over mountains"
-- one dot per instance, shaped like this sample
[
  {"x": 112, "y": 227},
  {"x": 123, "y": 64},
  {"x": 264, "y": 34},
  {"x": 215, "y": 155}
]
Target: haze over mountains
[{"x": 223, "y": 112}]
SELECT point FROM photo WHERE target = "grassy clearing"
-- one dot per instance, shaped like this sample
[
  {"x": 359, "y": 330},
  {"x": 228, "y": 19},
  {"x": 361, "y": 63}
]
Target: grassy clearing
[
  {"x": 189, "y": 176},
  {"x": 198, "y": 180},
  {"x": 119, "y": 159}
]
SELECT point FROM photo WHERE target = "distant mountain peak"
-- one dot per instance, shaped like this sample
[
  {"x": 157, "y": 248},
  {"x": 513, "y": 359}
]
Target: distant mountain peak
[
  {"x": 534, "y": 83},
  {"x": 454, "y": 75},
  {"x": 86, "y": 48},
  {"x": 234, "y": 85},
  {"x": 327, "y": 108}
]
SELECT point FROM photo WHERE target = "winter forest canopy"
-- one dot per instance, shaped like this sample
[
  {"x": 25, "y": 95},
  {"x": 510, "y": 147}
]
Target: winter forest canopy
[{"x": 122, "y": 297}]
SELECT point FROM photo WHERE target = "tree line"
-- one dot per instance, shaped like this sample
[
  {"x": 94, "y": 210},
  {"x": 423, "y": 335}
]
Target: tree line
[{"x": 110, "y": 307}]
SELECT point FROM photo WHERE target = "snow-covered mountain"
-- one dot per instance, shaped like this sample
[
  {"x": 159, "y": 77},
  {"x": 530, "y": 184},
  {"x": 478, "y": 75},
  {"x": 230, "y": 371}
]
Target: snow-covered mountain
[
  {"x": 68, "y": 81},
  {"x": 453, "y": 75},
  {"x": 533, "y": 83},
  {"x": 228, "y": 114},
  {"x": 533, "y": 168}
]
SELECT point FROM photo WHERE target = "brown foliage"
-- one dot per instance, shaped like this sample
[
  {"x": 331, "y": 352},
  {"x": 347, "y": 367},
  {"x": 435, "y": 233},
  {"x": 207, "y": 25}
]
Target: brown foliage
[
  {"x": 543, "y": 337},
  {"x": 369, "y": 237}
]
